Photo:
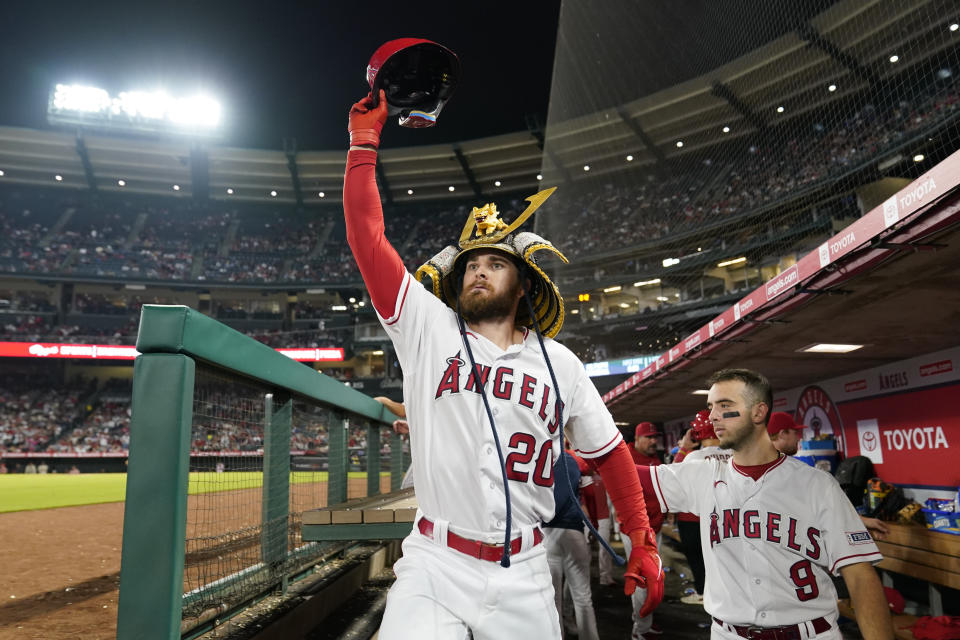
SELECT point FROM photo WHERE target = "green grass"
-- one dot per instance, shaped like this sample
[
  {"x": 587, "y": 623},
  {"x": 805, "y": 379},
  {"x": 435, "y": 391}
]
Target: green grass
[
  {"x": 27, "y": 492},
  {"x": 24, "y": 492}
]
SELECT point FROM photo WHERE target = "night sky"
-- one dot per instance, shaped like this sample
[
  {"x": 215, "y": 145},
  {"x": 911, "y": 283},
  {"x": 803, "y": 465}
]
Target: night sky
[
  {"x": 292, "y": 69},
  {"x": 281, "y": 69}
]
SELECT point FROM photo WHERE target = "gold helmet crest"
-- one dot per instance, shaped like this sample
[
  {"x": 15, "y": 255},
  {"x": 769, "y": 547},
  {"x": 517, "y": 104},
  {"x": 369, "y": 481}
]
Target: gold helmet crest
[{"x": 485, "y": 230}]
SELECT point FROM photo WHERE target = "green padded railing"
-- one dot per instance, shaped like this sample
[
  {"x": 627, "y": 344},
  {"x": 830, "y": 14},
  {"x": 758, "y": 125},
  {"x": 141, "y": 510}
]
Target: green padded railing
[
  {"x": 179, "y": 329},
  {"x": 173, "y": 342}
]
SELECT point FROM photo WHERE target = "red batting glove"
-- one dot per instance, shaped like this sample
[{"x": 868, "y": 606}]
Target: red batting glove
[
  {"x": 644, "y": 569},
  {"x": 366, "y": 121}
]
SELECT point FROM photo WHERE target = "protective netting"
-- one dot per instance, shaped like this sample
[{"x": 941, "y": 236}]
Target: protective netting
[
  {"x": 224, "y": 518},
  {"x": 244, "y": 534},
  {"x": 310, "y": 450},
  {"x": 703, "y": 147}
]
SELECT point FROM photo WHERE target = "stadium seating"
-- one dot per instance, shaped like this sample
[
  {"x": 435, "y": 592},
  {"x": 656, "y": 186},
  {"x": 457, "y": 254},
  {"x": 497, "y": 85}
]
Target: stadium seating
[{"x": 128, "y": 238}]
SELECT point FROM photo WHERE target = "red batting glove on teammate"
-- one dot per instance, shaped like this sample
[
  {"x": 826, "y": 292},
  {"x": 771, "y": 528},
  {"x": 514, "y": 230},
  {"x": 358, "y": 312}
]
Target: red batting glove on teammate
[
  {"x": 644, "y": 570},
  {"x": 366, "y": 121}
]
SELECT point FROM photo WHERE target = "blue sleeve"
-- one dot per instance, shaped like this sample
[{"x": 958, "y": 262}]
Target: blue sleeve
[{"x": 567, "y": 512}]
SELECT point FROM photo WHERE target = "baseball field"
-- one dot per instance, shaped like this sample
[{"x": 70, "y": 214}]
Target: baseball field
[
  {"x": 28, "y": 492},
  {"x": 61, "y": 536}
]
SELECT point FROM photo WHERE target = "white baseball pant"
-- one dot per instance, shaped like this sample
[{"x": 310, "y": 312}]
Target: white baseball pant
[{"x": 442, "y": 594}]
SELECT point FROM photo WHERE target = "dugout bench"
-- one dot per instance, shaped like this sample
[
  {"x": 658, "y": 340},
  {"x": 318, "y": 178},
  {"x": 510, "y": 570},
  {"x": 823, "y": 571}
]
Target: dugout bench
[
  {"x": 916, "y": 551},
  {"x": 381, "y": 517}
]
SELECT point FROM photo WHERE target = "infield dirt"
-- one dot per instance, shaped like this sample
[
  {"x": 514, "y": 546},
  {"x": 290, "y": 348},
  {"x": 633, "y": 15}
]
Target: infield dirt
[{"x": 60, "y": 568}]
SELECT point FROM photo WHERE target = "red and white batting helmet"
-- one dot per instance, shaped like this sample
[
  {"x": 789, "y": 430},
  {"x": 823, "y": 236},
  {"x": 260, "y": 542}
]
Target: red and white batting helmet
[
  {"x": 417, "y": 76},
  {"x": 702, "y": 427}
]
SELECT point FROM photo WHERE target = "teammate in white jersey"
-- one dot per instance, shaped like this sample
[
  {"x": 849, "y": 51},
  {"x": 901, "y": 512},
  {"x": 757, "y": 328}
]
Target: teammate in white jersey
[
  {"x": 772, "y": 529},
  {"x": 487, "y": 402}
]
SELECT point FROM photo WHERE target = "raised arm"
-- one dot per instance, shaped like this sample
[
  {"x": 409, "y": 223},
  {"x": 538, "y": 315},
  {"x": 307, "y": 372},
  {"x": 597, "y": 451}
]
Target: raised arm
[{"x": 379, "y": 263}]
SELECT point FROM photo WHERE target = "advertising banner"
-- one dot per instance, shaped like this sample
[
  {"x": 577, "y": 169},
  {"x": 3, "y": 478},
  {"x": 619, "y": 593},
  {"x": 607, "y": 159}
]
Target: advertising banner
[
  {"x": 903, "y": 416},
  {"x": 122, "y": 352}
]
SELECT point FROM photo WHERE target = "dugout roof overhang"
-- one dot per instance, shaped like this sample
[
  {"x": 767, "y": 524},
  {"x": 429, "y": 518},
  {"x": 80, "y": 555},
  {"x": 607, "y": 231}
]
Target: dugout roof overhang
[
  {"x": 892, "y": 287},
  {"x": 789, "y": 72}
]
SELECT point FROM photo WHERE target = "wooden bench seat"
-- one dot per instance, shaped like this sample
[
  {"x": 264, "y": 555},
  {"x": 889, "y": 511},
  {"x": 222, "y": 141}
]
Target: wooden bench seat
[
  {"x": 927, "y": 555},
  {"x": 922, "y": 553},
  {"x": 380, "y": 517}
]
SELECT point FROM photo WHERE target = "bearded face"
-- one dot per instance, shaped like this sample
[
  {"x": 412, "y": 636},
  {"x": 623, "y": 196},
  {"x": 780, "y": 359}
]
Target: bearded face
[{"x": 491, "y": 287}]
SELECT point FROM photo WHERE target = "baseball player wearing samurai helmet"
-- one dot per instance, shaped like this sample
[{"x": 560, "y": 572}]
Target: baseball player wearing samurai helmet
[{"x": 489, "y": 402}]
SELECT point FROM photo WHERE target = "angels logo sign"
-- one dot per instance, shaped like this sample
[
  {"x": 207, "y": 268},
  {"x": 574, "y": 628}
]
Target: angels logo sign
[{"x": 819, "y": 416}]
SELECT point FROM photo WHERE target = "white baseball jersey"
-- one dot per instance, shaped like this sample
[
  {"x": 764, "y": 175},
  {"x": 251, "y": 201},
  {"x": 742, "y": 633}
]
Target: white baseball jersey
[
  {"x": 454, "y": 455},
  {"x": 768, "y": 544},
  {"x": 708, "y": 453}
]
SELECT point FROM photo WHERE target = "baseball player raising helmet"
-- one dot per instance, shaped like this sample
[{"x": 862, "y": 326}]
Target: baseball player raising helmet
[
  {"x": 489, "y": 396},
  {"x": 773, "y": 529}
]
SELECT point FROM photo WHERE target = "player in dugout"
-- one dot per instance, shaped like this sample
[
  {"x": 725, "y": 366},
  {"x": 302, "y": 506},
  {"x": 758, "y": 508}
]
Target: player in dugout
[
  {"x": 772, "y": 528},
  {"x": 489, "y": 400}
]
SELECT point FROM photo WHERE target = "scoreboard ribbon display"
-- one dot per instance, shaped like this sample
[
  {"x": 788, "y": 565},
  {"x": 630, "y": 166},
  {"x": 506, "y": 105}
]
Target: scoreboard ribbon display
[{"x": 122, "y": 352}]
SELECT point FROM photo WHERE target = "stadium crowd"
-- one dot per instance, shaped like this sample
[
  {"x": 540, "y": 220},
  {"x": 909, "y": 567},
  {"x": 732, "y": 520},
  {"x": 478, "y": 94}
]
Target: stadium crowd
[
  {"x": 34, "y": 412},
  {"x": 218, "y": 242},
  {"x": 135, "y": 238},
  {"x": 39, "y": 416}
]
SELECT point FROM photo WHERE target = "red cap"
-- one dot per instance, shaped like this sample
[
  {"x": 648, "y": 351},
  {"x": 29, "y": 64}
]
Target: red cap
[
  {"x": 780, "y": 421},
  {"x": 894, "y": 599},
  {"x": 702, "y": 427},
  {"x": 646, "y": 429}
]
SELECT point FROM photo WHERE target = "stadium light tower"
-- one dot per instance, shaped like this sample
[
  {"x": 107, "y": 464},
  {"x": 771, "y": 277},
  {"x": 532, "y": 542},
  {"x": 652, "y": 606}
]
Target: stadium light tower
[{"x": 134, "y": 111}]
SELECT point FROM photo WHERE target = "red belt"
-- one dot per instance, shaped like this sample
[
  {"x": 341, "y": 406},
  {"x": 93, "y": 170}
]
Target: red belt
[
  {"x": 789, "y": 632},
  {"x": 475, "y": 548}
]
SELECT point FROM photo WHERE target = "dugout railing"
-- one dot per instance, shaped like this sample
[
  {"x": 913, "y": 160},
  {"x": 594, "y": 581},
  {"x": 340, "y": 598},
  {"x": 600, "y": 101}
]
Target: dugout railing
[{"x": 201, "y": 541}]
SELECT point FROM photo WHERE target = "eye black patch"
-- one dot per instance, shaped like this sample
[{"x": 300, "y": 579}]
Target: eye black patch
[{"x": 731, "y": 414}]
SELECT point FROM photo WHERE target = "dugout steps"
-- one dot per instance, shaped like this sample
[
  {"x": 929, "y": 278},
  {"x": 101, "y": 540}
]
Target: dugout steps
[{"x": 337, "y": 599}]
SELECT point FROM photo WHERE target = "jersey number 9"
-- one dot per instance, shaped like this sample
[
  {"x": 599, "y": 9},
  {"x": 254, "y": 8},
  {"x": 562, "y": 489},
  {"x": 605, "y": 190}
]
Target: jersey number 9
[{"x": 802, "y": 575}]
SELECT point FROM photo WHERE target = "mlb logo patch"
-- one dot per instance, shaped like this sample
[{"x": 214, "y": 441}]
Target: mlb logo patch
[{"x": 859, "y": 537}]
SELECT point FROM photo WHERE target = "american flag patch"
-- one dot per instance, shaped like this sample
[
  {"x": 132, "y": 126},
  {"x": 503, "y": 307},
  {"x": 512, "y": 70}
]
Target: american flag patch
[{"x": 859, "y": 537}]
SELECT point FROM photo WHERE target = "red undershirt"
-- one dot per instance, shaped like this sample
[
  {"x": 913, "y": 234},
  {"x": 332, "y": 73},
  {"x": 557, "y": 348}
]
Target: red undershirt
[{"x": 755, "y": 471}]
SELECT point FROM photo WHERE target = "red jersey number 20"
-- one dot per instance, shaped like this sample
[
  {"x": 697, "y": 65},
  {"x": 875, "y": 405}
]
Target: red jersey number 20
[{"x": 523, "y": 446}]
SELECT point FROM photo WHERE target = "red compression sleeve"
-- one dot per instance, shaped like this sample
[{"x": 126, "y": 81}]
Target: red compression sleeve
[
  {"x": 650, "y": 498},
  {"x": 623, "y": 486},
  {"x": 379, "y": 263}
]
